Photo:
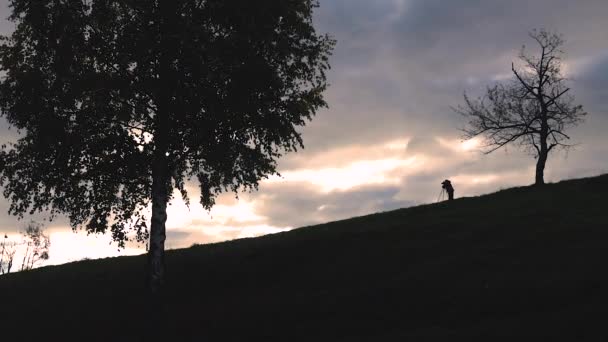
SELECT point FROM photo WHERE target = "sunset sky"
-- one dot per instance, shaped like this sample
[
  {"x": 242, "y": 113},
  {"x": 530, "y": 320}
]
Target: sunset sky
[{"x": 389, "y": 137}]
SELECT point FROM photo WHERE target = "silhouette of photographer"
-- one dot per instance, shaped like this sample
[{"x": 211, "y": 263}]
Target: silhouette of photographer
[{"x": 447, "y": 186}]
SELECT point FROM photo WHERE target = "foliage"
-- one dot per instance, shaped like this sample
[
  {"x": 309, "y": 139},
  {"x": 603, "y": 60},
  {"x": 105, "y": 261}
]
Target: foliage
[{"x": 108, "y": 95}]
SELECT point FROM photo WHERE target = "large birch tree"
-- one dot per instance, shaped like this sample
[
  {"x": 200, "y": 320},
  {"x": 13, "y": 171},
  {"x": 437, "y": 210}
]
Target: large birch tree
[{"x": 118, "y": 103}]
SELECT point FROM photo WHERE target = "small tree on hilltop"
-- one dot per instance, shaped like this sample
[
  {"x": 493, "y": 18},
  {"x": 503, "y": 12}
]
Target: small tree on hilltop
[
  {"x": 533, "y": 110},
  {"x": 32, "y": 248},
  {"x": 36, "y": 244},
  {"x": 120, "y": 102},
  {"x": 8, "y": 249}
]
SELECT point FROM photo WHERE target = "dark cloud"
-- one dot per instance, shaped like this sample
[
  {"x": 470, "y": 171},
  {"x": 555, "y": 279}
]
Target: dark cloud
[
  {"x": 175, "y": 235},
  {"x": 592, "y": 81},
  {"x": 12, "y": 224},
  {"x": 596, "y": 74},
  {"x": 300, "y": 204}
]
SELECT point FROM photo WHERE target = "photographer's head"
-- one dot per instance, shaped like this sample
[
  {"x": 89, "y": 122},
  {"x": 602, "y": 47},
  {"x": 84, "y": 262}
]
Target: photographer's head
[{"x": 446, "y": 183}]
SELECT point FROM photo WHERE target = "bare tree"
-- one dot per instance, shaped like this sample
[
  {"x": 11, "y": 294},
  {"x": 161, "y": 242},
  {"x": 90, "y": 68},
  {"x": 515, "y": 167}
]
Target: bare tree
[
  {"x": 534, "y": 109},
  {"x": 37, "y": 246},
  {"x": 8, "y": 249},
  {"x": 33, "y": 248}
]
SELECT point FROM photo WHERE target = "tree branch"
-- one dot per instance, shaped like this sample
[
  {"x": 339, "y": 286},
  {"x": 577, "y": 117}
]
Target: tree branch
[
  {"x": 528, "y": 87},
  {"x": 554, "y": 98}
]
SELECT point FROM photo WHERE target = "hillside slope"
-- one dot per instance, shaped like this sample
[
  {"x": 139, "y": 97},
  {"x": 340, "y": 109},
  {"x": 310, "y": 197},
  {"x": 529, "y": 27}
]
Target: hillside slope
[{"x": 524, "y": 262}]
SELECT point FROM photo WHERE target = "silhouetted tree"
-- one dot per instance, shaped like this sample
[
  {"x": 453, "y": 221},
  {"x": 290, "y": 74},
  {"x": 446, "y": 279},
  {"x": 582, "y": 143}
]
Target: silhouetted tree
[
  {"x": 8, "y": 249},
  {"x": 36, "y": 245},
  {"x": 534, "y": 109},
  {"x": 120, "y": 102},
  {"x": 33, "y": 248}
]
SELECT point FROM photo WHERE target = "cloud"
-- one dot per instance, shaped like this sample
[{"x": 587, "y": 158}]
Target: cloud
[
  {"x": 592, "y": 81},
  {"x": 300, "y": 204}
]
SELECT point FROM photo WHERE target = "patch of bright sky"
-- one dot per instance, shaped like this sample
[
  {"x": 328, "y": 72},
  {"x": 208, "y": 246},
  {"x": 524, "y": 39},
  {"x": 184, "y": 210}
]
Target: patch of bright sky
[
  {"x": 180, "y": 215},
  {"x": 574, "y": 67},
  {"x": 457, "y": 145},
  {"x": 68, "y": 246},
  {"x": 369, "y": 169},
  {"x": 468, "y": 183},
  {"x": 364, "y": 172}
]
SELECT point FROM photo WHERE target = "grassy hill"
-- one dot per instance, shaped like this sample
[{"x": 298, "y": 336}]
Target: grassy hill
[{"x": 526, "y": 263}]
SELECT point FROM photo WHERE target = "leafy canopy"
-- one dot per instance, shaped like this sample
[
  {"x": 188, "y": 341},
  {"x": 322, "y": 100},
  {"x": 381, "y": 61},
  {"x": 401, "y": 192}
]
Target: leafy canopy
[{"x": 84, "y": 82}]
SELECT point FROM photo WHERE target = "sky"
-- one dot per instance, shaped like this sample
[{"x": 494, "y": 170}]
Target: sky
[{"x": 389, "y": 136}]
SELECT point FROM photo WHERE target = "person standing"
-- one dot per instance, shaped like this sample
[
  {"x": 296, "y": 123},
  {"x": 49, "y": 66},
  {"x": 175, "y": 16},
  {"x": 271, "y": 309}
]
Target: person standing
[{"x": 447, "y": 186}]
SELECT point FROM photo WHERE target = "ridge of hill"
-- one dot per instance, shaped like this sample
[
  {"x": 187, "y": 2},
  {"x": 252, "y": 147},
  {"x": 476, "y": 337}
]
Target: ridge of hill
[{"x": 527, "y": 263}]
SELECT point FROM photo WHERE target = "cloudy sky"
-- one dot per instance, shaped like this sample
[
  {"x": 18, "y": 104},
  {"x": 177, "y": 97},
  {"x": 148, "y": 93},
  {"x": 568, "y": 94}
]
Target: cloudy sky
[{"x": 389, "y": 137}]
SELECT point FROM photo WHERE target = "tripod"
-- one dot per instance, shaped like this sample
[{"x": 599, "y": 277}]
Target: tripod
[{"x": 442, "y": 195}]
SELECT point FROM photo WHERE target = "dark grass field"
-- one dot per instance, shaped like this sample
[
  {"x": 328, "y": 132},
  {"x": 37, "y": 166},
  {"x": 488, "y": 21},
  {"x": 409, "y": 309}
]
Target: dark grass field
[{"x": 521, "y": 264}]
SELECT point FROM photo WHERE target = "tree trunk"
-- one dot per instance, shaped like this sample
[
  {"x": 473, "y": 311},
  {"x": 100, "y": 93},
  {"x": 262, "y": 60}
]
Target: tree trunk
[
  {"x": 156, "y": 252},
  {"x": 160, "y": 168},
  {"x": 155, "y": 304},
  {"x": 540, "y": 168},
  {"x": 160, "y": 197},
  {"x": 10, "y": 264},
  {"x": 543, "y": 151}
]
